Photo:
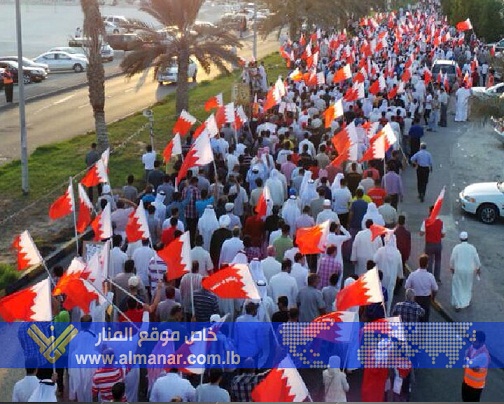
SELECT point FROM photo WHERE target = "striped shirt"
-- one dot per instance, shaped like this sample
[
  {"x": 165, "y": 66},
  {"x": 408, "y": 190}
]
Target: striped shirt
[
  {"x": 104, "y": 379},
  {"x": 157, "y": 268},
  {"x": 205, "y": 304}
]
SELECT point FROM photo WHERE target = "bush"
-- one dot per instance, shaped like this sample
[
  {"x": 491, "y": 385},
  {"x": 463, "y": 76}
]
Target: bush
[{"x": 8, "y": 275}]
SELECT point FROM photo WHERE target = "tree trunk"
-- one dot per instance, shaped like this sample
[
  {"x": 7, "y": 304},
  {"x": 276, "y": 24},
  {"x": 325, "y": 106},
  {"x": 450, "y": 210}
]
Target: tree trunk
[
  {"x": 183, "y": 85},
  {"x": 93, "y": 29}
]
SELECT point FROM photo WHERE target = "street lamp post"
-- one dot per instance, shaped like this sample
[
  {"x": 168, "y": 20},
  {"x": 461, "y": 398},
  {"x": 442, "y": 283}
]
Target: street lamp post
[
  {"x": 254, "y": 49},
  {"x": 22, "y": 119}
]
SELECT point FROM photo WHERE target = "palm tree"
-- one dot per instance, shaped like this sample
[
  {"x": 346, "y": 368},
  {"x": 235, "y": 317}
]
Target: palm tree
[
  {"x": 184, "y": 38},
  {"x": 94, "y": 31},
  {"x": 323, "y": 13}
]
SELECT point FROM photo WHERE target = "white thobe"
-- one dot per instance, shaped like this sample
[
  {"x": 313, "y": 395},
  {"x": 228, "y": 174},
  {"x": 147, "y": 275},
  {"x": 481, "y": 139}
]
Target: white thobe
[
  {"x": 80, "y": 379},
  {"x": 464, "y": 261},
  {"x": 462, "y": 96},
  {"x": 270, "y": 266},
  {"x": 363, "y": 250},
  {"x": 207, "y": 224},
  {"x": 338, "y": 240},
  {"x": 388, "y": 260},
  {"x": 230, "y": 248},
  {"x": 283, "y": 284}
]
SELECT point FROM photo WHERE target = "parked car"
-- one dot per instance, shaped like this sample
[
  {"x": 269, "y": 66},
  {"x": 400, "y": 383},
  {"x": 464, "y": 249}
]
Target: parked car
[
  {"x": 445, "y": 66},
  {"x": 31, "y": 74},
  {"x": 170, "y": 74},
  {"x": 494, "y": 91},
  {"x": 111, "y": 28},
  {"x": 78, "y": 47},
  {"x": 117, "y": 20},
  {"x": 124, "y": 42},
  {"x": 63, "y": 61},
  {"x": 485, "y": 200},
  {"x": 69, "y": 49},
  {"x": 27, "y": 62}
]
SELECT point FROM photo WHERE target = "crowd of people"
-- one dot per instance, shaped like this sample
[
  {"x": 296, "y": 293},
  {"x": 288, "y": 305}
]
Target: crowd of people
[{"x": 290, "y": 150}]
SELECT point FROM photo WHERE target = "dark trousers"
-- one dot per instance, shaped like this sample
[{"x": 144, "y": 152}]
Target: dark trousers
[
  {"x": 394, "y": 200},
  {"x": 343, "y": 218},
  {"x": 444, "y": 112},
  {"x": 192, "y": 225},
  {"x": 90, "y": 191},
  {"x": 414, "y": 145},
  {"x": 426, "y": 116},
  {"x": 9, "y": 91},
  {"x": 422, "y": 174},
  {"x": 424, "y": 302},
  {"x": 433, "y": 250},
  {"x": 470, "y": 394}
]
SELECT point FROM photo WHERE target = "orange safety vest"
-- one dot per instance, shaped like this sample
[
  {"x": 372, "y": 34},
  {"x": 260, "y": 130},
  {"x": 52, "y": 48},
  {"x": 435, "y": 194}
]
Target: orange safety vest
[{"x": 474, "y": 379}]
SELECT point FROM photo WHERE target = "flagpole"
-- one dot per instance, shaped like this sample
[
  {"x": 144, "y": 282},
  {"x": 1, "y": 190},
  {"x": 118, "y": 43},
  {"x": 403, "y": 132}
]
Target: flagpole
[
  {"x": 192, "y": 298},
  {"x": 113, "y": 305},
  {"x": 125, "y": 291},
  {"x": 48, "y": 272},
  {"x": 75, "y": 219}
]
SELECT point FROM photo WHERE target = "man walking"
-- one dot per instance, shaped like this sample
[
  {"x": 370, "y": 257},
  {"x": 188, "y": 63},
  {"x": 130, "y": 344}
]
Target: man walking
[
  {"x": 464, "y": 264},
  {"x": 434, "y": 232},
  {"x": 92, "y": 156},
  {"x": 424, "y": 285},
  {"x": 422, "y": 160},
  {"x": 8, "y": 82},
  {"x": 443, "y": 101},
  {"x": 477, "y": 359}
]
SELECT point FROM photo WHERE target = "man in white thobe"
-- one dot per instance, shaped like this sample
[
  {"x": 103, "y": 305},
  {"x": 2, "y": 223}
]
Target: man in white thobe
[
  {"x": 388, "y": 260},
  {"x": 230, "y": 248},
  {"x": 464, "y": 263},
  {"x": 207, "y": 224},
  {"x": 462, "y": 106},
  {"x": 270, "y": 266},
  {"x": 364, "y": 249}
]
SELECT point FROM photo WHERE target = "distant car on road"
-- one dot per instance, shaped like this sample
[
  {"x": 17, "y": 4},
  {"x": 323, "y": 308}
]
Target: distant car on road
[
  {"x": 170, "y": 74},
  {"x": 63, "y": 61},
  {"x": 117, "y": 20},
  {"x": 445, "y": 66},
  {"x": 27, "y": 62},
  {"x": 79, "y": 48},
  {"x": 31, "y": 74},
  {"x": 111, "y": 28},
  {"x": 124, "y": 42},
  {"x": 485, "y": 200},
  {"x": 494, "y": 91}
]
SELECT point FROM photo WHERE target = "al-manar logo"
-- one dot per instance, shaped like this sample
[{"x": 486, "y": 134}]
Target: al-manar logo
[{"x": 52, "y": 348}]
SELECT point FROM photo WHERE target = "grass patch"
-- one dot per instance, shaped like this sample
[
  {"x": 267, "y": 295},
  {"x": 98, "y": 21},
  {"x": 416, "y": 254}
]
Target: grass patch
[
  {"x": 51, "y": 165},
  {"x": 8, "y": 275}
]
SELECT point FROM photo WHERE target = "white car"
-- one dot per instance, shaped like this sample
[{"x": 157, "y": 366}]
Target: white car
[
  {"x": 63, "y": 61},
  {"x": 170, "y": 74},
  {"x": 485, "y": 200},
  {"x": 111, "y": 28},
  {"x": 494, "y": 91}
]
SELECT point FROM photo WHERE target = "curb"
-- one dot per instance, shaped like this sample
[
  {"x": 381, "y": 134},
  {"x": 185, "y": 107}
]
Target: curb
[{"x": 48, "y": 94}]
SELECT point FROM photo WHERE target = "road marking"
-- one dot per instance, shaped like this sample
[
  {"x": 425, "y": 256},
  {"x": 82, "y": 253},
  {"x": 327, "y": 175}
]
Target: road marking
[
  {"x": 83, "y": 106},
  {"x": 63, "y": 100},
  {"x": 129, "y": 90}
]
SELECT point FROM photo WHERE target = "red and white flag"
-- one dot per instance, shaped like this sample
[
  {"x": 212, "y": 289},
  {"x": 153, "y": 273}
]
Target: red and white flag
[
  {"x": 173, "y": 148},
  {"x": 214, "y": 102},
  {"x": 102, "y": 224},
  {"x": 177, "y": 256},
  {"x": 376, "y": 150},
  {"x": 200, "y": 154},
  {"x": 211, "y": 126},
  {"x": 333, "y": 112},
  {"x": 312, "y": 240},
  {"x": 241, "y": 117},
  {"x": 283, "y": 384},
  {"x": 273, "y": 98},
  {"x": 184, "y": 123},
  {"x": 27, "y": 252},
  {"x": 427, "y": 76},
  {"x": 264, "y": 206},
  {"x": 97, "y": 174},
  {"x": 377, "y": 231},
  {"x": 326, "y": 326},
  {"x": 364, "y": 291},
  {"x": 436, "y": 209},
  {"x": 464, "y": 25},
  {"x": 30, "y": 304},
  {"x": 296, "y": 75},
  {"x": 79, "y": 293},
  {"x": 137, "y": 227},
  {"x": 64, "y": 205},
  {"x": 233, "y": 282},
  {"x": 343, "y": 74},
  {"x": 85, "y": 209},
  {"x": 345, "y": 138},
  {"x": 229, "y": 112}
]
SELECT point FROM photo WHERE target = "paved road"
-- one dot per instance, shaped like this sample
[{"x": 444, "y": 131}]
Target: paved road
[{"x": 64, "y": 116}]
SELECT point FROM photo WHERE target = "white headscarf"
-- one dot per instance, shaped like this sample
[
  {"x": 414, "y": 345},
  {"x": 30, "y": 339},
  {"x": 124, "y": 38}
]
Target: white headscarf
[
  {"x": 373, "y": 214},
  {"x": 290, "y": 212},
  {"x": 276, "y": 188},
  {"x": 337, "y": 181},
  {"x": 44, "y": 393},
  {"x": 160, "y": 207},
  {"x": 207, "y": 224}
]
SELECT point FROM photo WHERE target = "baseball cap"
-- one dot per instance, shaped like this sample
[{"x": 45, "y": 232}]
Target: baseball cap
[{"x": 327, "y": 202}]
